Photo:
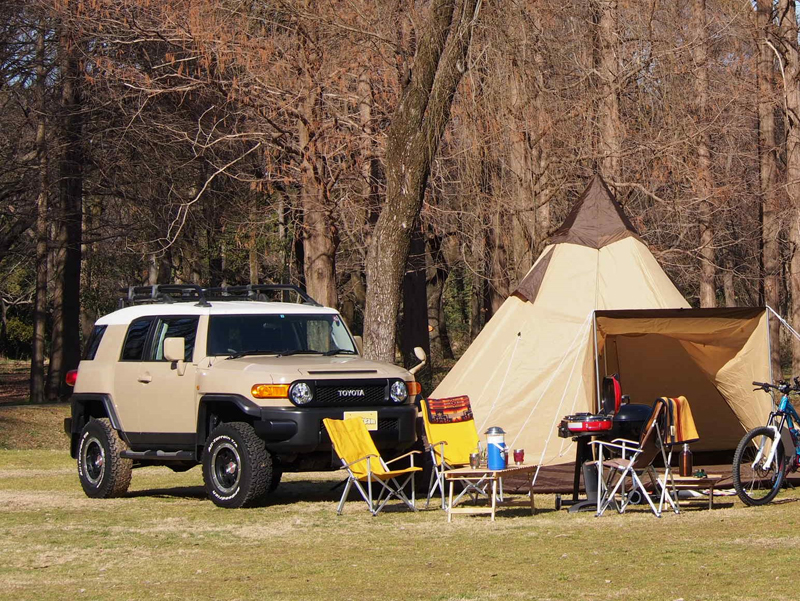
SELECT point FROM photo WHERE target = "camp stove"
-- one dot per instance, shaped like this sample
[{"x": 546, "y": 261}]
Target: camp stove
[{"x": 584, "y": 423}]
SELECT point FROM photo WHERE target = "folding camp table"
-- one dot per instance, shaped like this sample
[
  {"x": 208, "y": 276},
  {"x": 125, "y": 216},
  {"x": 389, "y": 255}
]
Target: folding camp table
[
  {"x": 702, "y": 484},
  {"x": 493, "y": 477}
]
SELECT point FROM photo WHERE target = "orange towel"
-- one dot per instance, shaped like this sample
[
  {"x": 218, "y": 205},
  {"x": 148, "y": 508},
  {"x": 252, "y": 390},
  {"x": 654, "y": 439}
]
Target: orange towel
[{"x": 680, "y": 427}]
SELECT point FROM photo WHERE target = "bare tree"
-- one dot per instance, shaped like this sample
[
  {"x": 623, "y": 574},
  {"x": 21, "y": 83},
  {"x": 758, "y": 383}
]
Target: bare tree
[
  {"x": 768, "y": 172},
  {"x": 703, "y": 183},
  {"x": 412, "y": 141},
  {"x": 37, "y": 384},
  {"x": 791, "y": 52}
]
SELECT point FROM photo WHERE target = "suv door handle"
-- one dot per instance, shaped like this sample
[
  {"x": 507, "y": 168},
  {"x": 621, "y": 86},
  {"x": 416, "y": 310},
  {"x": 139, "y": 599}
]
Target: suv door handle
[{"x": 145, "y": 378}]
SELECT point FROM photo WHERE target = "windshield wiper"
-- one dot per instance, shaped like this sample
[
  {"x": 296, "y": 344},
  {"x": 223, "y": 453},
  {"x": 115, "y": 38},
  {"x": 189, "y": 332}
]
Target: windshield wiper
[
  {"x": 297, "y": 352},
  {"x": 238, "y": 354},
  {"x": 338, "y": 351}
]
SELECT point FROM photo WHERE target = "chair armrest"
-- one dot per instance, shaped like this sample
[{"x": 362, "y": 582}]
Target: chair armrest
[
  {"x": 440, "y": 451},
  {"x": 403, "y": 456},
  {"x": 625, "y": 448},
  {"x": 603, "y": 443},
  {"x": 359, "y": 460}
]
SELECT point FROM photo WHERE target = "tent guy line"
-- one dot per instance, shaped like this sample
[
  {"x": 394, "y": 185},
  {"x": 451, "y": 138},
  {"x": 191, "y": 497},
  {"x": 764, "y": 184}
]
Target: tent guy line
[
  {"x": 503, "y": 383},
  {"x": 558, "y": 412}
]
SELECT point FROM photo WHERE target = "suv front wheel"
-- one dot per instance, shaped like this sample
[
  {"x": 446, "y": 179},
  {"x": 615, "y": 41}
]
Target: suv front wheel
[
  {"x": 237, "y": 468},
  {"x": 103, "y": 473}
]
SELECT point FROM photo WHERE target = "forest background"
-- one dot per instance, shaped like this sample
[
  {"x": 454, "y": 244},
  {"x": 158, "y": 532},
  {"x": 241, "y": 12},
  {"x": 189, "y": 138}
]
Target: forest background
[{"x": 403, "y": 160}]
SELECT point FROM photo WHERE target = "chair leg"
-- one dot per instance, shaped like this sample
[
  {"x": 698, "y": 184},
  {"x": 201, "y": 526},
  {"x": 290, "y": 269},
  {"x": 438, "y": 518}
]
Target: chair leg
[
  {"x": 344, "y": 496},
  {"x": 610, "y": 495},
  {"x": 638, "y": 483}
]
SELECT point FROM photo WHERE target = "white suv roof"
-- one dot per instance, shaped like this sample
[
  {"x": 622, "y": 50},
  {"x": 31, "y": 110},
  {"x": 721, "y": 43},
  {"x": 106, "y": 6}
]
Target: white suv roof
[{"x": 128, "y": 314}]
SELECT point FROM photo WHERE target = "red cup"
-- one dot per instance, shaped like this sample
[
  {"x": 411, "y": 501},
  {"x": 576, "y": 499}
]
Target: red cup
[{"x": 519, "y": 456}]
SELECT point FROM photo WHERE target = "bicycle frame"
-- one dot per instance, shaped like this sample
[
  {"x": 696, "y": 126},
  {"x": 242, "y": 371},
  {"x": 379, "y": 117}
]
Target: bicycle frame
[{"x": 786, "y": 414}]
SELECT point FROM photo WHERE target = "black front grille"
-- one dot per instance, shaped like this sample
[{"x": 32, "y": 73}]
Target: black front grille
[
  {"x": 350, "y": 395},
  {"x": 387, "y": 425}
]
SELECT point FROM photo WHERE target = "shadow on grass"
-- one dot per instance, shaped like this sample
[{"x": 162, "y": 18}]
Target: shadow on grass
[{"x": 286, "y": 494}]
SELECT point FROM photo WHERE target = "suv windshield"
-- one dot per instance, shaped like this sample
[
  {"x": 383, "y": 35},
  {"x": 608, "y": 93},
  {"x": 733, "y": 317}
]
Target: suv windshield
[{"x": 278, "y": 334}]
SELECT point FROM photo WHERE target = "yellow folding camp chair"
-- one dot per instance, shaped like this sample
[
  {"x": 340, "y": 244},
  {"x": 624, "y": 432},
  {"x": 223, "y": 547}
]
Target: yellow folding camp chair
[
  {"x": 452, "y": 437},
  {"x": 355, "y": 447}
]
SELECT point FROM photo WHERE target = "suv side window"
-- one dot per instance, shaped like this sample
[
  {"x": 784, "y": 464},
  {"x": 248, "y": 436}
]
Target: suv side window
[
  {"x": 93, "y": 343},
  {"x": 174, "y": 327},
  {"x": 133, "y": 349}
]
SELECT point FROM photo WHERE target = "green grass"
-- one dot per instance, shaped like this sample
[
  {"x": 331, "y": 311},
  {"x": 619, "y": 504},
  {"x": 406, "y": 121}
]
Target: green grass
[{"x": 166, "y": 541}]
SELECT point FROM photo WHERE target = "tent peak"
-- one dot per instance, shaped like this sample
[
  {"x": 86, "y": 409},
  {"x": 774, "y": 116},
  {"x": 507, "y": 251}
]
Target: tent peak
[{"x": 596, "y": 220}]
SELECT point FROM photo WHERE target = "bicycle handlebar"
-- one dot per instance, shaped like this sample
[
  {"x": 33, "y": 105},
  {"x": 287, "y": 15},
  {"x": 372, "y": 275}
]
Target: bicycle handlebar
[{"x": 782, "y": 386}]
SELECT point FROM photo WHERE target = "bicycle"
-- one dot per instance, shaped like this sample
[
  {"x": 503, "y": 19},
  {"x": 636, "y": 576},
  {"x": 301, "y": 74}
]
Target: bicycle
[{"x": 767, "y": 453}]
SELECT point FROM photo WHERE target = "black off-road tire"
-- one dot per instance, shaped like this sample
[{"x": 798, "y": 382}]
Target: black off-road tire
[
  {"x": 237, "y": 468},
  {"x": 102, "y": 471}
]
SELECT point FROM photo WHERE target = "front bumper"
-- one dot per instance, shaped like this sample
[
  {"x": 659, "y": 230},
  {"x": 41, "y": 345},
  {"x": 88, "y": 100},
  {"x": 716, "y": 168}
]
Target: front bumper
[{"x": 287, "y": 430}]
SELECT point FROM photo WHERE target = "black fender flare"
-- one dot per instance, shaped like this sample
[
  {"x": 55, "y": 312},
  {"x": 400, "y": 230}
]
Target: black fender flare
[
  {"x": 236, "y": 402},
  {"x": 85, "y": 406}
]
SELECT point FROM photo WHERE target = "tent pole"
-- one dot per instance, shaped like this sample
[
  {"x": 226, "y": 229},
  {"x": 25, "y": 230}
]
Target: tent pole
[
  {"x": 769, "y": 344},
  {"x": 784, "y": 323},
  {"x": 596, "y": 363}
]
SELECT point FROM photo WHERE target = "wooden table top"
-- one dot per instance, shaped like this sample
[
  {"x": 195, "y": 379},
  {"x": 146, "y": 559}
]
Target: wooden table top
[
  {"x": 465, "y": 472},
  {"x": 707, "y": 479}
]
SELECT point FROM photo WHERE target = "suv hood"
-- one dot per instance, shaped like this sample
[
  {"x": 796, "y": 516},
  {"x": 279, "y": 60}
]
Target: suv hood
[{"x": 286, "y": 369}]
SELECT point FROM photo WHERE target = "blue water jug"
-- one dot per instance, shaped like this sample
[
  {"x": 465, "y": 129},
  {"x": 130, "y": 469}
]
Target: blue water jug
[{"x": 496, "y": 451}]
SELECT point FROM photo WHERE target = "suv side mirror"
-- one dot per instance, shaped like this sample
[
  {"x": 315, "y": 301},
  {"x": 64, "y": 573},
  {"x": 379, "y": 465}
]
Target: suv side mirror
[
  {"x": 419, "y": 353},
  {"x": 175, "y": 350}
]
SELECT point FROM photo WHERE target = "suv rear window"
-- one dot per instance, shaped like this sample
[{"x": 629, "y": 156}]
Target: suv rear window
[
  {"x": 133, "y": 350},
  {"x": 93, "y": 343}
]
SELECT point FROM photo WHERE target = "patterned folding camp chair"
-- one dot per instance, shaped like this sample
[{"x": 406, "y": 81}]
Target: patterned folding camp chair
[
  {"x": 636, "y": 457},
  {"x": 355, "y": 447},
  {"x": 452, "y": 436}
]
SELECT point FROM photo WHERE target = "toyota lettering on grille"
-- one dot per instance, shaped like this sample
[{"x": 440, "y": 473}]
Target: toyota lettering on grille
[{"x": 355, "y": 392}]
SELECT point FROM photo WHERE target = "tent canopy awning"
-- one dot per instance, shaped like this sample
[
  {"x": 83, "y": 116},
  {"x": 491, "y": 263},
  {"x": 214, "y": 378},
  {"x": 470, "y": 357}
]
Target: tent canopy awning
[{"x": 710, "y": 356}]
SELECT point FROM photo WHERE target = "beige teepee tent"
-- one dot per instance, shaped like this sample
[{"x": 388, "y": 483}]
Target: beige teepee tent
[{"x": 539, "y": 356}]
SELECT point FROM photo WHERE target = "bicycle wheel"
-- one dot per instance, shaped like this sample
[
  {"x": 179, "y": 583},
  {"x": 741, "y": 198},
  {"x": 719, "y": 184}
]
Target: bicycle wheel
[{"x": 755, "y": 481}]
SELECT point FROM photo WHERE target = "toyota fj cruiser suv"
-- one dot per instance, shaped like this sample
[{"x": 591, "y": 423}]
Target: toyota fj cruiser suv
[{"x": 183, "y": 375}]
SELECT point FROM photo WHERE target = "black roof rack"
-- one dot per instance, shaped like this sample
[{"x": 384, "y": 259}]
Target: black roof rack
[
  {"x": 259, "y": 292},
  {"x": 173, "y": 293}
]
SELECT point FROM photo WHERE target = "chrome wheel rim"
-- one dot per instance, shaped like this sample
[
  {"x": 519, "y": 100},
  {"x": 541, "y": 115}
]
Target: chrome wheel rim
[
  {"x": 93, "y": 457},
  {"x": 226, "y": 468}
]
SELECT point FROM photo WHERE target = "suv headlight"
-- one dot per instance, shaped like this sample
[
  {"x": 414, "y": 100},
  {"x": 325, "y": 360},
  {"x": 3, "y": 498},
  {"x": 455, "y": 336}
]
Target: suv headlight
[
  {"x": 300, "y": 393},
  {"x": 398, "y": 392}
]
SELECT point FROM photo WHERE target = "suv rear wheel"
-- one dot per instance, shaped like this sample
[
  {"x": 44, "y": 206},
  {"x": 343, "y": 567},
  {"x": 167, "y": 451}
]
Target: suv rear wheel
[
  {"x": 103, "y": 473},
  {"x": 237, "y": 468}
]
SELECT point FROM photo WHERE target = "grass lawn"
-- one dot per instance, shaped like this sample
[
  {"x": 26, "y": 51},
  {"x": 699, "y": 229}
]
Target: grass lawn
[{"x": 166, "y": 541}]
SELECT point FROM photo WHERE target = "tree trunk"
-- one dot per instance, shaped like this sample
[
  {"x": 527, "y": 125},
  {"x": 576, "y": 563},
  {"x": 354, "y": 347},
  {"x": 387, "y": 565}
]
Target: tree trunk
[
  {"x": 768, "y": 174},
  {"x": 437, "y": 272},
  {"x": 789, "y": 34},
  {"x": 412, "y": 141},
  {"x": 703, "y": 185},
  {"x": 609, "y": 143},
  {"x": 728, "y": 286},
  {"x": 415, "y": 308},
  {"x": 320, "y": 233},
  {"x": 37, "y": 386},
  {"x": 498, "y": 273},
  {"x": 66, "y": 347}
]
